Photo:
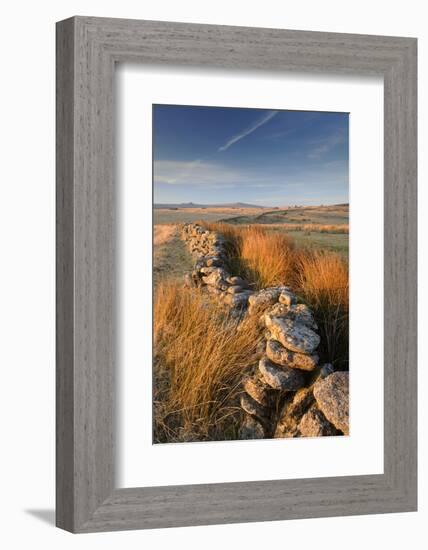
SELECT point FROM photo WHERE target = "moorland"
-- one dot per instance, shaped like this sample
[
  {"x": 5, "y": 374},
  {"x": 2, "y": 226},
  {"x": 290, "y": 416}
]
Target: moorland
[{"x": 201, "y": 351}]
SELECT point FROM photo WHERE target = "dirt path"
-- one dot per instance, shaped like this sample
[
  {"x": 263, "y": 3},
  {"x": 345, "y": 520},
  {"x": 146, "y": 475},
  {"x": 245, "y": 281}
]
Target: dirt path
[
  {"x": 171, "y": 258},
  {"x": 164, "y": 233}
]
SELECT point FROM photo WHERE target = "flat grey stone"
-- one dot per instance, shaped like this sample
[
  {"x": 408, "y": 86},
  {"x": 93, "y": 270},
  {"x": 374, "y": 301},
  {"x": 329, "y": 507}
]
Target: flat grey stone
[
  {"x": 292, "y": 413},
  {"x": 216, "y": 276},
  {"x": 315, "y": 424},
  {"x": 301, "y": 313},
  {"x": 252, "y": 407},
  {"x": 258, "y": 390},
  {"x": 236, "y": 300},
  {"x": 237, "y": 281},
  {"x": 292, "y": 335},
  {"x": 265, "y": 297},
  {"x": 277, "y": 353},
  {"x": 332, "y": 397},
  {"x": 280, "y": 378},
  {"x": 235, "y": 289},
  {"x": 277, "y": 310}
]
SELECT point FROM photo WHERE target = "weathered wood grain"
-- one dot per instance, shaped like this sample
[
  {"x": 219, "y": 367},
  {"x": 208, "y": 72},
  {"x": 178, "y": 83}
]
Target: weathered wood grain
[{"x": 87, "y": 49}]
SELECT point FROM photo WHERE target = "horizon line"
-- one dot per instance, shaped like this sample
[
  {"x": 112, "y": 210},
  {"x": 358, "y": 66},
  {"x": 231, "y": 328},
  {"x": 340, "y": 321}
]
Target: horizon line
[{"x": 250, "y": 204}]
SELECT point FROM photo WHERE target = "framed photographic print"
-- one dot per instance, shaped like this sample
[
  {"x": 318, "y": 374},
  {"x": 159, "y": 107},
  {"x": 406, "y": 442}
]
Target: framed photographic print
[{"x": 236, "y": 274}]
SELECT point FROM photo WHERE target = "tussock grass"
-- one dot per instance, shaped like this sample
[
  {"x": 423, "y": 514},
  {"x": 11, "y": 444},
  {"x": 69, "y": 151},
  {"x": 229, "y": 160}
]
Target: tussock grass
[
  {"x": 267, "y": 258},
  {"x": 200, "y": 358},
  {"x": 261, "y": 257},
  {"x": 201, "y": 352},
  {"x": 320, "y": 278},
  {"x": 322, "y": 274}
]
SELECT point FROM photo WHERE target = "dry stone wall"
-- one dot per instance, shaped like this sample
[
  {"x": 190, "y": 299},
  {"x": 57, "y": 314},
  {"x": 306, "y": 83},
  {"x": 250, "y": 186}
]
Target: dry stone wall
[
  {"x": 209, "y": 249},
  {"x": 289, "y": 393}
]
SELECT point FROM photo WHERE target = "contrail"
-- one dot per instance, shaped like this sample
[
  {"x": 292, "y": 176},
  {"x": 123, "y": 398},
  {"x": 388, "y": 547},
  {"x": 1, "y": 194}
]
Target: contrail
[{"x": 248, "y": 131}]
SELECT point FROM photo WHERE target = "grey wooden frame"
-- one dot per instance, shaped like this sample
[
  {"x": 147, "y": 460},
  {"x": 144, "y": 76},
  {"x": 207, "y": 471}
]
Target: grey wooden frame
[{"x": 87, "y": 50}]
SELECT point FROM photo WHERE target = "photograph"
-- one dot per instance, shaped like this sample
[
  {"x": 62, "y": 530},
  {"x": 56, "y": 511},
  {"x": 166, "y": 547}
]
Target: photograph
[
  {"x": 250, "y": 273},
  {"x": 211, "y": 308}
]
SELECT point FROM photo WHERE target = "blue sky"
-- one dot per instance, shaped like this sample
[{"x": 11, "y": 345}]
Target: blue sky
[{"x": 265, "y": 157}]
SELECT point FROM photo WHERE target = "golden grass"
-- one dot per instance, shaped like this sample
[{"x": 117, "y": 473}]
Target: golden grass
[
  {"x": 322, "y": 275},
  {"x": 201, "y": 352},
  {"x": 267, "y": 258},
  {"x": 163, "y": 233},
  {"x": 232, "y": 233},
  {"x": 320, "y": 278},
  {"x": 200, "y": 357},
  {"x": 261, "y": 257}
]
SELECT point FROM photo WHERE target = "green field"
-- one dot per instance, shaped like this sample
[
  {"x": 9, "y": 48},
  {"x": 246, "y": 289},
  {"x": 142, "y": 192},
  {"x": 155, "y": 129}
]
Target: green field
[
  {"x": 334, "y": 239},
  {"x": 162, "y": 216},
  {"x": 171, "y": 259},
  {"x": 328, "y": 241},
  {"x": 334, "y": 215}
]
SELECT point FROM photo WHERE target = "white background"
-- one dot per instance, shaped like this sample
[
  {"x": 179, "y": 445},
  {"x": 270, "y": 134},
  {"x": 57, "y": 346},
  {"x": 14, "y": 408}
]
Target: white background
[
  {"x": 216, "y": 462},
  {"x": 27, "y": 273}
]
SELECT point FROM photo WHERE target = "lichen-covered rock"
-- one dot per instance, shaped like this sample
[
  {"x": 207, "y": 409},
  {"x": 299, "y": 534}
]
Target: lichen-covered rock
[
  {"x": 315, "y": 424},
  {"x": 292, "y": 412},
  {"x": 207, "y": 270},
  {"x": 251, "y": 406},
  {"x": 216, "y": 276},
  {"x": 234, "y": 289},
  {"x": 301, "y": 402},
  {"x": 251, "y": 429},
  {"x": 258, "y": 390},
  {"x": 293, "y": 336},
  {"x": 277, "y": 310},
  {"x": 237, "y": 281},
  {"x": 265, "y": 298},
  {"x": 236, "y": 300},
  {"x": 280, "y": 378},
  {"x": 287, "y": 297},
  {"x": 301, "y": 313},
  {"x": 223, "y": 286},
  {"x": 284, "y": 357},
  {"x": 332, "y": 397}
]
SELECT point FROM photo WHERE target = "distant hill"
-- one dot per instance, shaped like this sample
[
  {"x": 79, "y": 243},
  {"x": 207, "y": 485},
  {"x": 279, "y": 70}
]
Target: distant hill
[{"x": 195, "y": 205}]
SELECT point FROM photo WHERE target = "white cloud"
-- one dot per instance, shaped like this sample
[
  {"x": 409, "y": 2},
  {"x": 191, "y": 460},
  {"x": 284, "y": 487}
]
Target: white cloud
[{"x": 248, "y": 130}]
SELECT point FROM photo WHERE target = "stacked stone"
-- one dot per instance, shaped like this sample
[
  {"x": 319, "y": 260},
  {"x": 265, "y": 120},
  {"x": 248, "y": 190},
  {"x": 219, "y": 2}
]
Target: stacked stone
[
  {"x": 318, "y": 410},
  {"x": 291, "y": 341},
  {"x": 314, "y": 398},
  {"x": 210, "y": 269}
]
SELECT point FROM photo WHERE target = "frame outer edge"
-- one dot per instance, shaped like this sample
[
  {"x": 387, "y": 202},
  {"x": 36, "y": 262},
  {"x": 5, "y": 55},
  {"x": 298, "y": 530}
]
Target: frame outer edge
[
  {"x": 65, "y": 57},
  {"x": 85, "y": 477},
  {"x": 94, "y": 275}
]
